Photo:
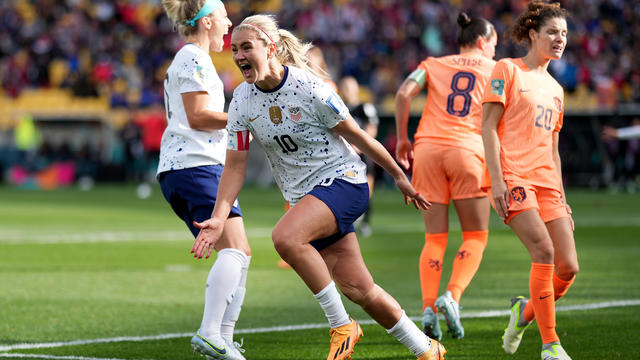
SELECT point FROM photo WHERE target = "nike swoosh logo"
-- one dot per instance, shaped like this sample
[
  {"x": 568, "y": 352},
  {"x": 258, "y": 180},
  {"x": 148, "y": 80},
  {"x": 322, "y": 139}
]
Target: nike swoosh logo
[
  {"x": 544, "y": 297},
  {"x": 251, "y": 120},
  {"x": 524, "y": 90},
  {"x": 221, "y": 351}
]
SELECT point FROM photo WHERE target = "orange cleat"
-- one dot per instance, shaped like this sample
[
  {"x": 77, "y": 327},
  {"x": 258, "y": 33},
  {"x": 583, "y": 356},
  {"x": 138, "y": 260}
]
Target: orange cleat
[
  {"x": 435, "y": 352},
  {"x": 343, "y": 340}
]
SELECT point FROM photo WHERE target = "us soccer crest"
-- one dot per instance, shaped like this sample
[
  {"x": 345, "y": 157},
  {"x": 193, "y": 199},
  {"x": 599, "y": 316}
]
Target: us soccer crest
[
  {"x": 295, "y": 113},
  {"x": 275, "y": 114}
]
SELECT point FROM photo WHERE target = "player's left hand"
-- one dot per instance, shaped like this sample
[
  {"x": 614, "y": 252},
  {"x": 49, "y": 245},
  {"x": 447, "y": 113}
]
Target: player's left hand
[
  {"x": 411, "y": 195},
  {"x": 573, "y": 225},
  {"x": 210, "y": 232}
]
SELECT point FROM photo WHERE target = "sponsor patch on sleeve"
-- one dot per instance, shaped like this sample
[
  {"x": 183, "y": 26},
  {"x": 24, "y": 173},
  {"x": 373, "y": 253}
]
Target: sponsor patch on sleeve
[
  {"x": 335, "y": 103},
  {"x": 238, "y": 141},
  {"x": 497, "y": 86},
  {"x": 202, "y": 73}
]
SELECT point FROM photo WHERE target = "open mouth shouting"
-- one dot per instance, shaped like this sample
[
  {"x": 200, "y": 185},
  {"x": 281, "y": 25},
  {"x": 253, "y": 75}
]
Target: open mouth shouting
[{"x": 245, "y": 68}]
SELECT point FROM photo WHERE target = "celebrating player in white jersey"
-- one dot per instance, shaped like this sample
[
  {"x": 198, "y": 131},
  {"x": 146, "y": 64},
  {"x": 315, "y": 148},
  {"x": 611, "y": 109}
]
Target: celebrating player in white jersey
[
  {"x": 192, "y": 155},
  {"x": 305, "y": 129}
]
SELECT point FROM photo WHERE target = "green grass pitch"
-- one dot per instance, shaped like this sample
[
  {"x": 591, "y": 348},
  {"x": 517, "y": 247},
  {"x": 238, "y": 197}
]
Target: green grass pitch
[{"x": 104, "y": 264}]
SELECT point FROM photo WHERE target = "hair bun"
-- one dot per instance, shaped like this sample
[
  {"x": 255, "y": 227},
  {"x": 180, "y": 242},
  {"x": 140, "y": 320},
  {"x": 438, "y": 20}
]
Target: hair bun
[{"x": 464, "y": 20}]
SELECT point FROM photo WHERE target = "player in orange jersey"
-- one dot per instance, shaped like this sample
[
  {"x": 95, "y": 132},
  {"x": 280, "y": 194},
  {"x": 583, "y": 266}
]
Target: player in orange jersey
[
  {"x": 522, "y": 116},
  {"x": 449, "y": 164}
]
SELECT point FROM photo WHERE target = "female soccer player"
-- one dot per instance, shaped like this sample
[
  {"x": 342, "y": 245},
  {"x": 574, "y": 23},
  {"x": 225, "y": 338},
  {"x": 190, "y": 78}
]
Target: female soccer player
[
  {"x": 521, "y": 118},
  {"x": 192, "y": 155},
  {"x": 449, "y": 164},
  {"x": 305, "y": 130}
]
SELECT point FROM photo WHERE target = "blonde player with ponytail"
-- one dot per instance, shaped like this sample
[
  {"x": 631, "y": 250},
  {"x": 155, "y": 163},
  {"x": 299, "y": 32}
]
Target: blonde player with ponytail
[
  {"x": 306, "y": 131},
  {"x": 192, "y": 156}
]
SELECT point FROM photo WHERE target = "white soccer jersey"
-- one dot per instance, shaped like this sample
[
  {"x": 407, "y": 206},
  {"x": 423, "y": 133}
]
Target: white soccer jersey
[
  {"x": 293, "y": 123},
  {"x": 183, "y": 147}
]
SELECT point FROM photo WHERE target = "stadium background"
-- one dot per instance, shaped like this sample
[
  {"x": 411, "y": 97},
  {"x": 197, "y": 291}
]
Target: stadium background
[
  {"x": 104, "y": 275},
  {"x": 82, "y": 96}
]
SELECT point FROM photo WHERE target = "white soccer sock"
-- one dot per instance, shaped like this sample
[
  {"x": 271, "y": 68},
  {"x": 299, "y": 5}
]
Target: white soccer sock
[
  {"x": 232, "y": 313},
  {"x": 222, "y": 282},
  {"x": 410, "y": 336},
  {"x": 330, "y": 301}
]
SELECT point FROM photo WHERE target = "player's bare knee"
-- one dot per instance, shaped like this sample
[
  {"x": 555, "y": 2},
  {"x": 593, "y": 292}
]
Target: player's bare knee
[
  {"x": 542, "y": 254},
  {"x": 568, "y": 270},
  {"x": 281, "y": 241}
]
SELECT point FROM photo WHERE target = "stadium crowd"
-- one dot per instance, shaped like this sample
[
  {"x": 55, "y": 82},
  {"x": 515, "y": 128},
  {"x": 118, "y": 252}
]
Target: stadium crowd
[{"x": 121, "y": 49}]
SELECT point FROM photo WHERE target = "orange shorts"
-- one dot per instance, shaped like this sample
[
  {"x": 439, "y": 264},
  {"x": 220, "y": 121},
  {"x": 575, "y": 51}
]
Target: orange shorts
[
  {"x": 442, "y": 172},
  {"x": 525, "y": 196}
]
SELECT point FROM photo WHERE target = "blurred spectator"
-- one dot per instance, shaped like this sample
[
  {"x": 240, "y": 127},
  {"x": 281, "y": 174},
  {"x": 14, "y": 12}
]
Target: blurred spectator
[
  {"x": 151, "y": 124},
  {"x": 378, "y": 42},
  {"x": 623, "y": 148},
  {"x": 120, "y": 49}
]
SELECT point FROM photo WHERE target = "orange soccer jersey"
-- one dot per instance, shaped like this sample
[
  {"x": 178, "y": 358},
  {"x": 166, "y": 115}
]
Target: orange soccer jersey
[
  {"x": 533, "y": 109},
  {"x": 453, "y": 113}
]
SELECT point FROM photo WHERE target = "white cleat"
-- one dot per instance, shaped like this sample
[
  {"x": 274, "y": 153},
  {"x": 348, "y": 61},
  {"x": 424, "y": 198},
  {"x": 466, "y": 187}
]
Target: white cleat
[
  {"x": 514, "y": 331},
  {"x": 554, "y": 351},
  {"x": 450, "y": 309},
  {"x": 235, "y": 350},
  {"x": 213, "y": 348},
  {"x": 431, "y": 324}
]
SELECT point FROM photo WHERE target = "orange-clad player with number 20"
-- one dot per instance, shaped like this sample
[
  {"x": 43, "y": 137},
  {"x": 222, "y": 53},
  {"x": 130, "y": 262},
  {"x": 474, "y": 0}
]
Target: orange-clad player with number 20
[{"x": 523, "y": 108}]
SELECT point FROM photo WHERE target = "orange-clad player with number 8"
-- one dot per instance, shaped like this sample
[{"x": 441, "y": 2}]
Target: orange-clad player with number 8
[{"x": 449, "y": 164}]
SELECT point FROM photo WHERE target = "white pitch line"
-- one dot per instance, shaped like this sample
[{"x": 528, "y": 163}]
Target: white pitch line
[
  {"x": 53, "y": 357},
  {"x": 469, "y": 315},
  {"x": 92, "y": 341},
  {"x": 19, "y": 237}
]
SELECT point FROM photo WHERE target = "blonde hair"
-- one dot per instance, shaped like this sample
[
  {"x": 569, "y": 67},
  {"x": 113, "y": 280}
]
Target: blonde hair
[
  {"x": 179, "y": 11},
  {"x": 289, "y": 49}
]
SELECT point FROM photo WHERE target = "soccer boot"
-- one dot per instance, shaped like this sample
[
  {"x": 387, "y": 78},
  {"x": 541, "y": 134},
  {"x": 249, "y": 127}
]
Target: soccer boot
[
  {"x": 235, "y": 350},
  {"x": 517, "y": 325},
  {"x": 436, "y": 351},
  {"x": 213, "y": 348},
  {"x": 431, "y": 324},
  {"x": 343, "y": 340},
  {"x": 451, "y": 311},
  {"x": 553, "y": 351}
]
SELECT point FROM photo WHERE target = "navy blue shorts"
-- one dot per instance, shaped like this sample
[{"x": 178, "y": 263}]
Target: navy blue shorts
[
  {"x": 192, "y": 193},
  {"x": 347, "y": 201}
]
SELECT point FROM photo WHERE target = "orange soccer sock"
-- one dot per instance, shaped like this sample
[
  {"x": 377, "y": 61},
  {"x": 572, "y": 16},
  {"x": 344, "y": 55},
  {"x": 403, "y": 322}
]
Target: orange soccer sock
[
  {"x": 431, "y": 267},
  {"x": 467, "y": 261},
  {"x": 560, "y": 288},
  {"x": 541, "y": 291}
]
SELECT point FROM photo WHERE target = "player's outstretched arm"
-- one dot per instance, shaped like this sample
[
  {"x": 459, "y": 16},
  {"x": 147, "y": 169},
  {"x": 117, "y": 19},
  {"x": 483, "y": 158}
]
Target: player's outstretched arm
[
  {"x": 350, "y": 130},
  {"x": 231, "y": 182}
]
